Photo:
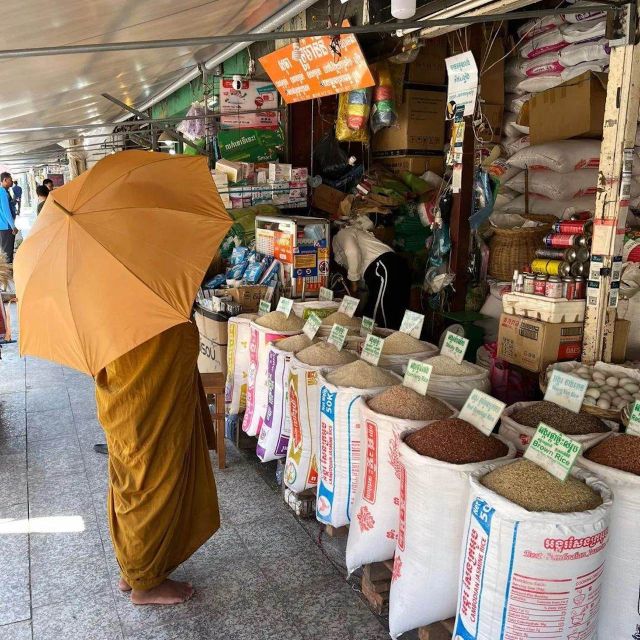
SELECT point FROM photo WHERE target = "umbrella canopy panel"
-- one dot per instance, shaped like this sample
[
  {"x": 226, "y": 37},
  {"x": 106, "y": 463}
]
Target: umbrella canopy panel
[{"x": 65, "y": 90}]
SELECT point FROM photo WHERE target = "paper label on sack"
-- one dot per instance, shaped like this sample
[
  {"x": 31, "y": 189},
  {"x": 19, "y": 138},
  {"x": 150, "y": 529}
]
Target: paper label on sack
[
  {"x": 553, "y": 451},
  {"x": 285, "y": 305},
  {"x": 367, "y": 326},
  {"x": 482, "y": 411},
  {"x": 325, "y": 294},
  {"x": 412, "y": 324},
  {"x": 634, "y": 420},
  {"x": 264, "y": 307},
  {"x": 337, "y": 336},
  {"x": 349, "y": 305},
  {"x": 311, "y": 326},
  {"x": 462, "y": 71},
  {"x": 454, "y": 346},
  {"x": 417, "y": 376},
  {"x": 566, "y": 390},
  {"x": 372, "y": 349}
]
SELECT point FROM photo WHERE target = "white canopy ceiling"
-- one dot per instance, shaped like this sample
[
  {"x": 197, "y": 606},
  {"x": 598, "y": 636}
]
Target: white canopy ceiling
[{"x": 65, "y": 89}]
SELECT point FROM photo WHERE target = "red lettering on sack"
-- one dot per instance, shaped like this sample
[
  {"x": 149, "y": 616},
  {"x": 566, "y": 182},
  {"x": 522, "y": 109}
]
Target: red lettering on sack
[
  {"x": 403, "y": 508},
  {"x": 371, "y": 463}
]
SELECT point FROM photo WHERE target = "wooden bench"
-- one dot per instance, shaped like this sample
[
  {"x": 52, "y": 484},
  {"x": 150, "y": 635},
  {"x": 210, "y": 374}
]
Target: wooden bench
[{"x": 213, "y": 384}]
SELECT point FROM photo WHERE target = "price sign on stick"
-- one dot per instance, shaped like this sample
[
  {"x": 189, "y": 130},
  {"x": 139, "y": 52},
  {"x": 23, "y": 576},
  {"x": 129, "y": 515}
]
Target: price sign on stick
[
  {"x": 454, "y": 346},
  {"x": 634, "y": 419},
  {"x": 325, "y": 294},
  {"x": 372, "y": 349},
  {"x": 367, "y": 326},
  {"x": 264, "y": 307},
  {"x": 311, "y": 326},
  {"x": 417, "y": 376},
  {"x": 566, "y": 390},
  {"x": 553, "y": 451},
  {"x": 349, "y": 305},
  {"x": 412, "y": 324},
  {"x": 482, "y": 411},
  {"x": 337, "y": 336},
  {"x": 285, "y": 305}
]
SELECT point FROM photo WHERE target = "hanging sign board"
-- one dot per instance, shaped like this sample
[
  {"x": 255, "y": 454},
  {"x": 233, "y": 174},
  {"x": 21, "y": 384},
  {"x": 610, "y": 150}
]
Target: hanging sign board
[
  {"x": 259, "y": 97},
  {"x": 463, "y": 81},
  {"x": 313, "y": 69},
  {"x": 553, "y": 451}
]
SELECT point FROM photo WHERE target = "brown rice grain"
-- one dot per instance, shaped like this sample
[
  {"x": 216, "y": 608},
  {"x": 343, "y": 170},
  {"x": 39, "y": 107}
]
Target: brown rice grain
[
  {"x": 402, "y": 402},
  {"x": 618, "y": 452}
]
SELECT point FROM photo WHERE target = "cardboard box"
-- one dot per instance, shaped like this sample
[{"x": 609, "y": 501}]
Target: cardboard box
[
  {"x": 327, "y": 199},
  {"x": 620, "y": 338},
  {"x": 420, "y": 127},
  {"x": 233, "y": 170},
  {"x": 280, "y": 192},
  {"x": 299, "y": 174},
  {"x": 429, "y": 67},
  {"x": 494, "y": 114},
  {"x": 247, "y": 296},
  {"x": 533, "y": 344},
  {"x": 279, "y": 172},
  {"x": 213, "y": 341},
  {"x": 414, "y": 164},
  {"x": 575, "y": 109}
]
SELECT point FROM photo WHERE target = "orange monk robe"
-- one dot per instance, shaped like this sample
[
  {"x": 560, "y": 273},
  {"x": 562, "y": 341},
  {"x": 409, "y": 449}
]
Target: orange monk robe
[{"x": 162, "y": 499}]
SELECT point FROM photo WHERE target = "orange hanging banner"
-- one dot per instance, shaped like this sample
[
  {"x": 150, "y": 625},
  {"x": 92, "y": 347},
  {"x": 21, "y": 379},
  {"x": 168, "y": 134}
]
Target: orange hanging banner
[{"x": 322, "y": 66}]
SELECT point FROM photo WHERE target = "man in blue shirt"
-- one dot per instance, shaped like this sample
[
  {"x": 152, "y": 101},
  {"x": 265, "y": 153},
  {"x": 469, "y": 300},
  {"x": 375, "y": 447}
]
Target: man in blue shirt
[
  {"x": 17, "y": 197},
  {"x": 7, "y": 225}
]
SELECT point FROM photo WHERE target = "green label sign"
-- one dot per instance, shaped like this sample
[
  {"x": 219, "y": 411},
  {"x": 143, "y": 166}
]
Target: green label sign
[
  {"x": 337, "y": 336},
  {"x": 367, "y": 326},
  {"x": 285, "y": 305},
  {"x": 417, "y": 376},
  {"x": 264, "y": 307},
  {"x": 634, "y": 419},
  {"x": 311, "y": 326},
  {"x": 349, "y": 305},
  {"x": 566, "y": 390},
  {"x": 553, "y": 451},
  {"x": 325, "y": 294},
  {"x": 482, "y": 411},
  {"x": 372, "y": 349},
  {"x": 454, "y": 346},
  {"x": 412, "y": 324}
]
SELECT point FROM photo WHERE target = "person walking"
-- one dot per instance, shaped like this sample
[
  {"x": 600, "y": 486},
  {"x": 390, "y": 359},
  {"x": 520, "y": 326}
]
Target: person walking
[
  {"x": 48, "y": 183},
  {"x": 8, "y": 229},
  {"x": 17, "y": 197},
  {"x": 43, "y": 193}
]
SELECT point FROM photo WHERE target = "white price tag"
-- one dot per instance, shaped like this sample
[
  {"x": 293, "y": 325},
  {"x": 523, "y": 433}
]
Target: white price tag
[
  {"x": 311, "y": 326},
  {"x": 325, "y": 294},
  {"x": 367, "y": 326},
  {"x": 337, "y": 336},
  {"x": 454, "y": 346},
  {"x": 417, "y": 376},
  {"x": 285, "y": 305},
  {"x": 566, "y": 390},
  {"x": 634, "y": 419},
  {"x": 482, "y": 411},
  {"x": 553, "y": 451},
  {"x": 412, "y": 324},
  {"x": 264, "y": 307},
  {"x": 349, "y": 305},
  {"x": 372, "y": 349}
]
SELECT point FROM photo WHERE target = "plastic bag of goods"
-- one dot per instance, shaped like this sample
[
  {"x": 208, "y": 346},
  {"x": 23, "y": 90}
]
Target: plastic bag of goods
[
  {"x": 372, "y": 534},
  {"x": 353, "y": 116},
  {"x": 352, "y": 324},
  {"x": 519, "y": 422},
  {"x": 617, "y": 461},
  {"x": 383, "y": 113},
  {"x": 301, "y": 468},
  {"x": 235, "y": 390},
  {"x": 533, "y": 554},
  {"x": 264, "y": 330},
  {"x": 453, "y": 382},
  {"x": 400, "y": 347},
  {"x": 322, "y": 308},
  {"x": 340, "y": 436},
  {"x": 435, "y": 464},
  {"x": 275, "y": 430}
]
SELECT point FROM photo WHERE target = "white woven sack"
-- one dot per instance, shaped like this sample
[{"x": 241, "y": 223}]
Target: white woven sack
[
  {"x": 563, "y": 156},
  {"x": 512, "y": 145},
  {"x": 235, "y": 392},
  {"x": 456, "y": 389},
  {"x": 528, "y": 574},
  {"x": 584, "y": 52},
  {"x": 539, "y": 45},
  {"x": 275, "y": 430},
  {"x": 520, "y": 435},
  {"x": 515, "y": 102},
  {"x": 372, "y": 534},
  {"x": 583, "y": 31},
  {"x": 619, "y": 614},
  {"x": 257, "y": 394},
  {"x": 561, "y": 208},
  {"x": 339, "y": 450},
  {"x": 538, "y": 26},
  {"x": 434, "y": 497},
  {"x": 542, "y": 83}
]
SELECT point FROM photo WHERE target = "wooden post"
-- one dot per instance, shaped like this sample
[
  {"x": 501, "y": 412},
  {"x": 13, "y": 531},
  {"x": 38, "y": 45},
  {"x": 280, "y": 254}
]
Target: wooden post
[{"x": 619, "y": 130}]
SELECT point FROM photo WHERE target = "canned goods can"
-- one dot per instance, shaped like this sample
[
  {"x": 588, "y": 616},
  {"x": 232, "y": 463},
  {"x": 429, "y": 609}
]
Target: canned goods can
[
  {"x": 568, "y": 288},
  {"x": 550, "y": 267},
  {"x": 581, "y": 288},
  {"x": 560, "y": 240},
  {"x": 540, "y": 284},
  {"x": 529, "y": 283},
  {"x": 568, "y": 255},
  {"x": 553, "y": 288},
  {"x": 582, "y": 254},
  {"x": 577, "y": 269},
  {"x": 579, "y": 227}
]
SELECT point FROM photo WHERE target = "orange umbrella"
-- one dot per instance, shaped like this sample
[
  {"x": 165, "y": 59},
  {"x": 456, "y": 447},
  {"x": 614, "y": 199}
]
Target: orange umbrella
[{"x": 116, "y": 257}]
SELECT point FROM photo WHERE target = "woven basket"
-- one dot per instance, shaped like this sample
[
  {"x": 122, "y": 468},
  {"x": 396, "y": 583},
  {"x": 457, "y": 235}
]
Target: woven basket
[{"x": 511, "y": 249}]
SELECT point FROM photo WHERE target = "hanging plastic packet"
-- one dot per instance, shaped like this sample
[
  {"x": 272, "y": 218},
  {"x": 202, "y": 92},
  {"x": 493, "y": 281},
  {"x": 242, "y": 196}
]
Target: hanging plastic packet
[
  {"x": 353, "y": 116},
  {"x": 383, "y": 113}
]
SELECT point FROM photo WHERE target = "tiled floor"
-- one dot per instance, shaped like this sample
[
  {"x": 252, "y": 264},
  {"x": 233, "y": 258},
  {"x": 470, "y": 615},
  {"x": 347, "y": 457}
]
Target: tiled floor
[{"x": 264, "y": 575}]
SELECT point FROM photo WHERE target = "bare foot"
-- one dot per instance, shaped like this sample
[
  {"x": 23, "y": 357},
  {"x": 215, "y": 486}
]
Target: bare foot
[
  {"x": 123, "y": 585},
  {"x": 169, "y": 592}
]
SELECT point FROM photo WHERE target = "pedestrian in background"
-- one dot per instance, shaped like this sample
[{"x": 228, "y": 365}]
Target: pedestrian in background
[
  {"x": 7, "y": 224},
  {"x": 48, "y": 182},
  {"x": 17, "y": 197},
  {"x": 43, "y": 193}
]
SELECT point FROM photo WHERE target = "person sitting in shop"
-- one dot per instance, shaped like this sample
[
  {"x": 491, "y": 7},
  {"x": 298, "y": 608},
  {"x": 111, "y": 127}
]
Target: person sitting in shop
[
  {"x": 48, "y": 183},
  {"x": 43, "y": 193},
  {"x": 383, "y": 271}
]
